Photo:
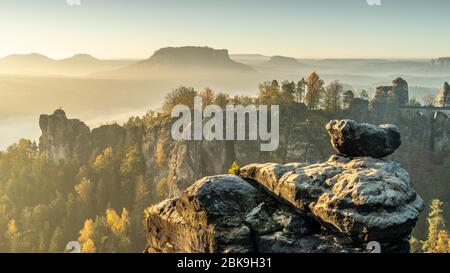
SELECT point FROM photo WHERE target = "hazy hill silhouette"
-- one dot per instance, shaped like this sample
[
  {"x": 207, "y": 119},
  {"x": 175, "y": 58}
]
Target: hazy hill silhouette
[
  {"x": 187, "y": 61},
  {"x": 37, "y": 64}
]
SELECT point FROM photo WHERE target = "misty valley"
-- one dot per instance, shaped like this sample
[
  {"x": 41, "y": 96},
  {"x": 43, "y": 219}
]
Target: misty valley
[
  {"x": 233, "y": 135},
  {"x": 105, "y": 180}
]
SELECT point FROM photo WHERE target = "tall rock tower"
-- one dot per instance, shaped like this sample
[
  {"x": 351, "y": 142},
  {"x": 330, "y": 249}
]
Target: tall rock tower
[
  {"x": 63, "y": 138},
  {"x": 444, "y": 95},
  {"x": 400, "y": 91}
]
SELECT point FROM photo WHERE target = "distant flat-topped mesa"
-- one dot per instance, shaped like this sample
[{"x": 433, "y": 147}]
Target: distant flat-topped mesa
[
  {"x": 353, "y": 139},
  {"x": 192, "y": 57},
  {"x": 342, "y": 205}
]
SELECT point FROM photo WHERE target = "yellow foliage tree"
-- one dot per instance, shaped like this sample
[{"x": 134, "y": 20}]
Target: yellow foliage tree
[
  {"x": 103, "y": 160},
  {"x": 12, "y": 228},
  {"x": 442, "y": 242},
  {"x": 88, "y": 247},
  {"x": 118, "y": 224},
  {"x": 234, "y": 168},
  {"x": 87, "y": 231},
  {"x": 314, "y": 91},
  {"x": 416, "y": 246},
  {"x": 435, "y": 226},
  {"x": 162, "y": 189},
  {"x": 85, "y": 189}
]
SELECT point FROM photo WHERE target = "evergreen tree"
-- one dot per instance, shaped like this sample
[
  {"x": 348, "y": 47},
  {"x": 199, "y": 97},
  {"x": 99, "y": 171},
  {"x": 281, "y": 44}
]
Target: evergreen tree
[
  {"x": 332, "y": 97},
  {"x": 57, "y": 241},
  {"x": 364, "y": 95},
  {"x": 300, "y": 90}
]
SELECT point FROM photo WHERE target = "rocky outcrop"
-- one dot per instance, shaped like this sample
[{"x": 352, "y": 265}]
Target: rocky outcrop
[
  {"x": 359, "y": 106},
  {"x": 397, "y": 95},
  {"x": 336, "y": 206},
  {"x": 364, "y": 198},
  {"x": 362, "y": 139},
  {"x": 180, "y": 163},
  {"x": 64, "y": 138},
  {"x": 399, "y": 92},
  {"x": 444, "y": 95}
]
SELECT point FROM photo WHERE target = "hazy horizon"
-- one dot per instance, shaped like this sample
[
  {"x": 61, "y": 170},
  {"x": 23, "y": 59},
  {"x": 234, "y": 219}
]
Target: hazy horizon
[
  {"x": 301, "y": 29},
  {"x": 232, "y": 54}
]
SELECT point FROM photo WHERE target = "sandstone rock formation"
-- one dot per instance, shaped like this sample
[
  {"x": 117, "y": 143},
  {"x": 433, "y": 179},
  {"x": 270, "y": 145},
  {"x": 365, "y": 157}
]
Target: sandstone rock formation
[
  {"x": 361, "y": 139},
  {"x": 397, "y": 94},
  {"x": 400, "y": 91},
  {"x": 444, "y": 95},
  {"x": 364, "y": 198},
  {"x": 336, "y": 206},
  {"x": 178, "y": 163},
  {"x": 64, "y": 138}
]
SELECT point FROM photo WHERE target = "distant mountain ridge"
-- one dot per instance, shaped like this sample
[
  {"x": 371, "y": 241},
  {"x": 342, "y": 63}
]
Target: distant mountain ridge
[{"x": 38, "y": 64}]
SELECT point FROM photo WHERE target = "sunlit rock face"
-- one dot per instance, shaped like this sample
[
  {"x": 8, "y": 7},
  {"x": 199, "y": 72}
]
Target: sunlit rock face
[
  {"x": 336, "y": 206},
  {"x": 229, "y": 214},
  {"x": 364, "y": 198},
  {"x": 64, "y": 138}
]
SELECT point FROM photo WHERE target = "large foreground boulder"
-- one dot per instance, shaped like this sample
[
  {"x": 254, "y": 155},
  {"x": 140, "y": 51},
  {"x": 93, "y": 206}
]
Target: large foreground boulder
[
  {"x": 228, "y": 214},
  {"x": 342, "y": 205},
  {"x": 364, "y": 198}
]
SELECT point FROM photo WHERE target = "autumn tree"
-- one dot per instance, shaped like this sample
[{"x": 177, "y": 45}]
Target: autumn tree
[
  {"x": 269, "y": 93},
  {"x": 332, "y": 97},
  {"x": 363, "y": 94},
  {"x": 222, "y": 100},
  {"x": 57, "y": 241},
  {"x": 429, "y": 100},
  {"x": 182, "y": 95},
  {"x": 435, "y": 226},
  {"x": 300, "y": 90},
  {"x": 89, "y": 247},
  {"x": 234, "y": 169},
  {"x": 415, "y": 245},
  {"x": 442, "y": 242},
  {"x": 287, "y": 93},
  {"x": 314, "y": 91},
  {"x": 347, "y": 98},
  {"x": 85, "y": 190},
  {"x": 207, "y": 96},
  {"x": 414, "y": 102},
  {"x": 162, "y": 189}
]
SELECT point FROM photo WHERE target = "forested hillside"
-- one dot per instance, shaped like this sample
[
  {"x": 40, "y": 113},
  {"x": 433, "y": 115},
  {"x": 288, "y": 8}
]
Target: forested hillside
[{"x": 93, "y": 186}]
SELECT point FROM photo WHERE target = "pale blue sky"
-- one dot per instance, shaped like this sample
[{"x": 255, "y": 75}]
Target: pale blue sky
[{"x": 299, "y": 28}]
